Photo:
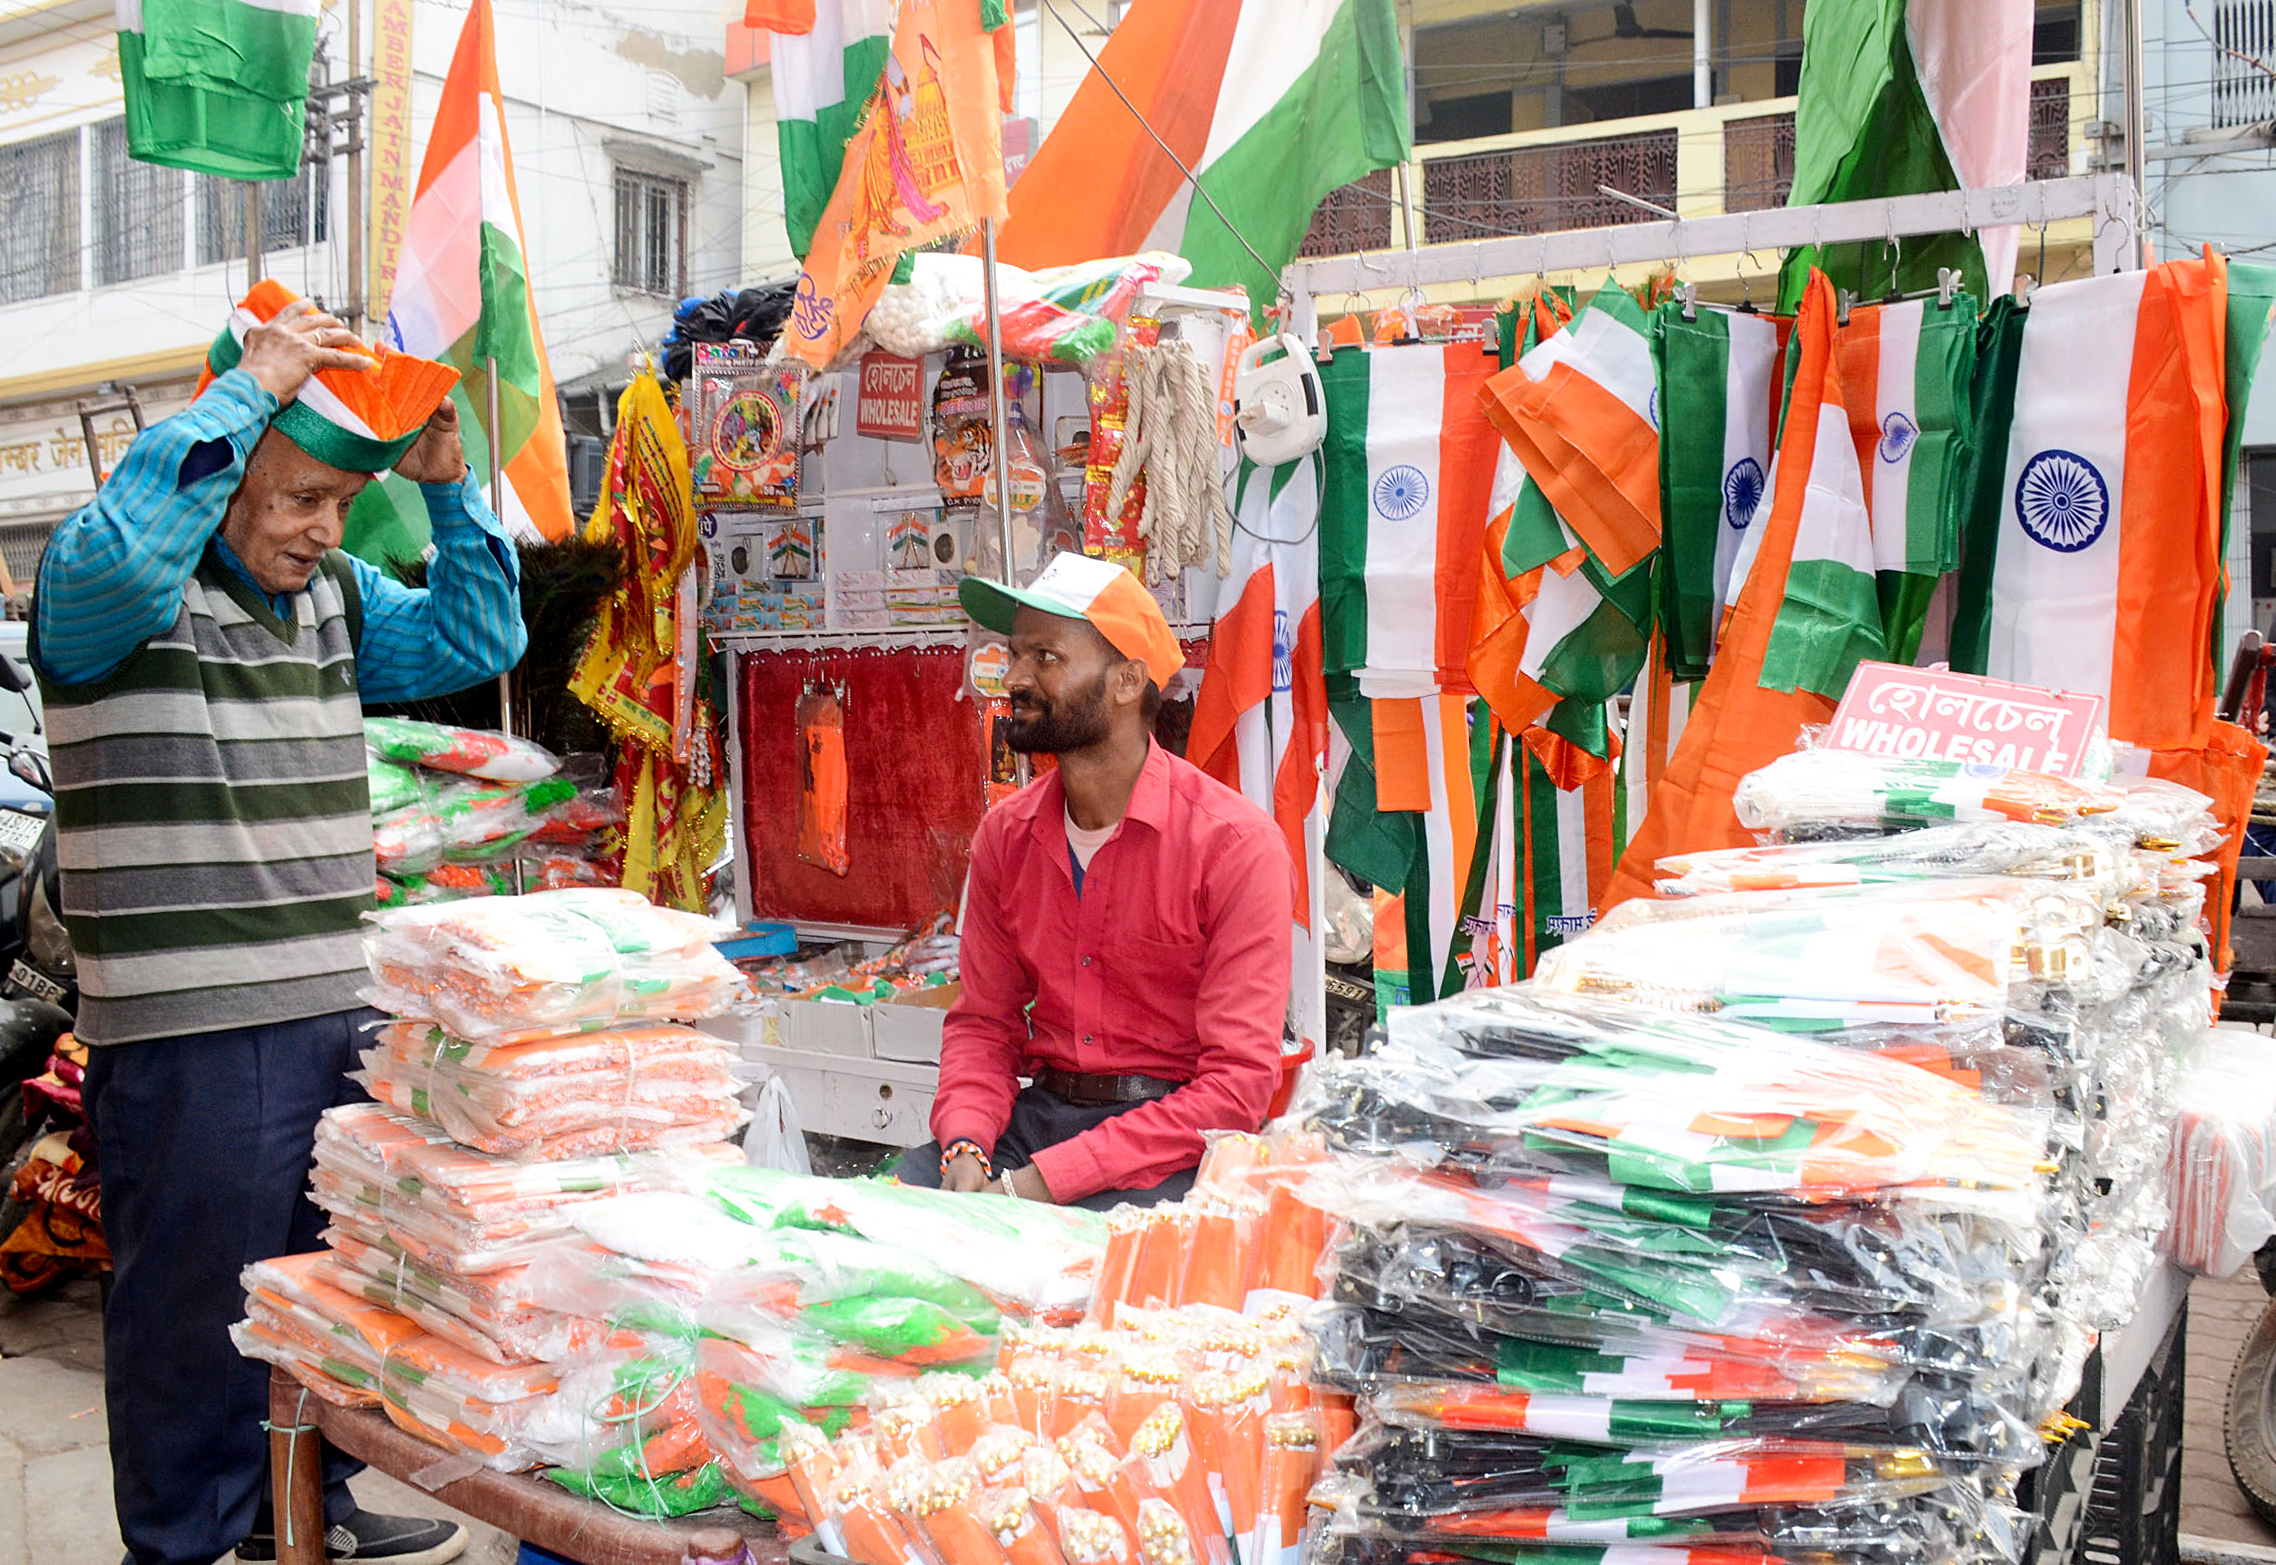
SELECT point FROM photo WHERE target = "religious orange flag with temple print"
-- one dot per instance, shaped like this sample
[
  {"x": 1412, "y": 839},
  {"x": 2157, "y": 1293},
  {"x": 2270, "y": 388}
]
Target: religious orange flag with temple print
[{"x": 927, "y": 163}]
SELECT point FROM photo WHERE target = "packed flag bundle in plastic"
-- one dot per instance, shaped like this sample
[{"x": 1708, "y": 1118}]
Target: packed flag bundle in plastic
[
  {"x": 468, "y": 812},
  {"x": 1241, "y": 1240},
  {"x": 1180, "y": 1437},
  {"x": 1777, "y": 1218},
  {"x": 2222, "y": 1170}
]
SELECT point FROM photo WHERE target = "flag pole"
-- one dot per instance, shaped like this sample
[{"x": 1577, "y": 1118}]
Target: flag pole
[
  {"x": 498, "y": 509},
  {"x": 999, "y": 455}
]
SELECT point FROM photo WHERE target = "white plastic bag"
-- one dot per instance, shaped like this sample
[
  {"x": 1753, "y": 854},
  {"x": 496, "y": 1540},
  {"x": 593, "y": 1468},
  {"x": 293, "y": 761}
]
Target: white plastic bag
[
  {"x": 2222, "y": 1168},
  {"x": 775, "y": 1139}
]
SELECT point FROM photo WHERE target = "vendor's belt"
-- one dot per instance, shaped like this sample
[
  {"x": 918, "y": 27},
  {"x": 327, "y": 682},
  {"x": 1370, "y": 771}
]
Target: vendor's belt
[{"x": 1100, "y": 1091}]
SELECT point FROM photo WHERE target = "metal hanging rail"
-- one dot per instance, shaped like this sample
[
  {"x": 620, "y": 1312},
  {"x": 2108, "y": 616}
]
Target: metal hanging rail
[{"x": 2110, "y": 199}]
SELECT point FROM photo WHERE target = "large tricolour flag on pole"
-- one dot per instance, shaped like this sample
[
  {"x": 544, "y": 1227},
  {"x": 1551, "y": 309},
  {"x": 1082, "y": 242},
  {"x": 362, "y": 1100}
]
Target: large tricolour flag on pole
[
  {"x": 1272, "y": 104},
  {"x": 462, "y": 294},
  {"x": 1906, "y": 97}
]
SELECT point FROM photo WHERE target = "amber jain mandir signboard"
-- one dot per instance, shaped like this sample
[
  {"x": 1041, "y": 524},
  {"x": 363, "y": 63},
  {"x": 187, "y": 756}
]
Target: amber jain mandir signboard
[
  {"x": 1934, "y": 715},
  {"x": 890, "y": 403}
]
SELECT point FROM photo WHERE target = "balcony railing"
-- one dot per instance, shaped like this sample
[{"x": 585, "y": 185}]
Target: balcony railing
[
  {"x": 1735, "y": 158},
  {"x": 1531, "y": 190}
]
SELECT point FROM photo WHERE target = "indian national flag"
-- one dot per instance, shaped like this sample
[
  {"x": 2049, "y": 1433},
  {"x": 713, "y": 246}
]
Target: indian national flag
[
  {"x": 1905, "y": 371},
  {"x": 217, "y": 86},
  {"x": 1272, "y": 103},
  {"x": 1260, "y": 722},
  {"x": 1581, "y": 409},
  {"x": 1409, "y": 468},
  {"x": 1719, "y": 381},
  {"x": 2100, "y": 569},
  {"x": 1571, "y": 845},
  {"x": 1659, "y": 708},
  {"x": 1903, "y": 97},
  {"x": 823, "y": 75},
  {"x": 463, "y": 292},
  {"x": 1805, "y": 613},
  {"x": 1557, "y": 636}
]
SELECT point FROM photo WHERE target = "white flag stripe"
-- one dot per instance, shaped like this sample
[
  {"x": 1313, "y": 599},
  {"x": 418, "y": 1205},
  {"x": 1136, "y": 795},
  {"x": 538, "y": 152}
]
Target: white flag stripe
[
  {"x": 1406, "y": 396},
  {"x": 1749, "y": 368},
  {"x": 1572, "y": 853},
  {"x": 1607, "y": 350}
]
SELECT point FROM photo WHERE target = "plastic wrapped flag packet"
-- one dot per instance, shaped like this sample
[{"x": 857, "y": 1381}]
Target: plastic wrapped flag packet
[
  {"x": 1241, "y": 1240},
  {"x": 471, "y": 752},
  {"x": 514, "y": 968},
  {"x": 1034, "y": 1262},
  {"x": 1183, "y": 1437},
  {"x": 624, "y": 1089},
  {"x": 2222, "y": 1167}
]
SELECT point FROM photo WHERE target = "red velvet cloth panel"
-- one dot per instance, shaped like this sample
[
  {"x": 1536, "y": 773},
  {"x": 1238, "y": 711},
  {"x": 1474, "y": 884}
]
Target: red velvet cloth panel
[{"x": 913, "y": 794}]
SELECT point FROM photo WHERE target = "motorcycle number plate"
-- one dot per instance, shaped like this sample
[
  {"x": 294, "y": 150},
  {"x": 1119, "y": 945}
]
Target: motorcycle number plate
[
  {"x": 27, "y": 979},
  {"x": 21, "y": 831}
]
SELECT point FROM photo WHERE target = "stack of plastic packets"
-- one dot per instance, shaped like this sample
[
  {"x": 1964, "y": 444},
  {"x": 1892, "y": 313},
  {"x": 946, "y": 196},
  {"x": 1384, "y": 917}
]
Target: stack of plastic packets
[
  {"x": 1178, "y": 1437},
  {"x": 536, "y": 1068},
  {"x": 1778, "y": 1219}
]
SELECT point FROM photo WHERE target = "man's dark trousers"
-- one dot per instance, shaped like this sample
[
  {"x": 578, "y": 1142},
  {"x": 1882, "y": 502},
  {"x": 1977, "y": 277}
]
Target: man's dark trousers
[
  {"x": 1044, "y": 1119},
  {"x": 203, "y": 1143}
]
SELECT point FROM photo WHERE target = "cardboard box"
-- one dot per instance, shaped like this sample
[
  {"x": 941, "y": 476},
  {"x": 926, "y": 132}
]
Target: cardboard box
[
  {"x": 883, "y": 1101},
  {"x": 827, "y": 1027},
  {"x": 908, "y": 1026}
]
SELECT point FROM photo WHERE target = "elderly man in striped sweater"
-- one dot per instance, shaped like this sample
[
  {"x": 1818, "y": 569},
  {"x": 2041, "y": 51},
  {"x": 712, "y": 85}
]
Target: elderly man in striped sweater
[{"x": 204, "y": 649}]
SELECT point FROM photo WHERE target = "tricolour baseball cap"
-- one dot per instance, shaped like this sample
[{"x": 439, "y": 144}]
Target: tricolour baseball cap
[
  {"x": 360, "y": 421},
  {"x": 1075, "y": 586}
]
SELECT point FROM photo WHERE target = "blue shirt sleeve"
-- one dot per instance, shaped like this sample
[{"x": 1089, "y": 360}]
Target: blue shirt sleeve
[
  {"x": 113, "y": 574},
  {"x": 464, "y": 626}
]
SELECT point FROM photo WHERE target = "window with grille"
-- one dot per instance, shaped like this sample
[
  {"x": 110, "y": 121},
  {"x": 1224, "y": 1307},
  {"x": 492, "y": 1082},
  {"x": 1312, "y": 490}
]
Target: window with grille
[
  {"x": 39, "y": 217},
  {"x": 651, "y": 232},
  {"x": 294, "y": 212},
  {"x": 2244, "y": 57},
  {"x": 137, "y": 210}
]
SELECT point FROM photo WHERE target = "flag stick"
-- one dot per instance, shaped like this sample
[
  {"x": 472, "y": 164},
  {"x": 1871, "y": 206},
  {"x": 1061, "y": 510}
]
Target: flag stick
[
  {"x": 999, "y": 455},
  {"x": 498, "y": 509}
]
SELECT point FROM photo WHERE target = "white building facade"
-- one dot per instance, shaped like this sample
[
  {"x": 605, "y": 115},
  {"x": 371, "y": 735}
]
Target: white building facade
[{"x": 114, "y": 275}]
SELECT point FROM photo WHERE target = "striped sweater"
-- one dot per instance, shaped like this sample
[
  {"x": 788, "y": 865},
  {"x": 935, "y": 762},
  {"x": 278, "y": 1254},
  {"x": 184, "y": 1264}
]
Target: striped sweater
[{"x": 214, "y": 814}]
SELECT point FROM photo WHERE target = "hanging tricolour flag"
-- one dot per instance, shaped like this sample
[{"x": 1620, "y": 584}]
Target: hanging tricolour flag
[
  {"x": 823, "y": 73},
  {"x": 217, "y": 86},
  {"x": 1570, "y": 850},
  {"x": 462, "y": 295},
  {"x": 1260, "y": 721},
  {"x": 1905, "y": 371},
  {"x": 1410, "y": 461},
  {"x": 1719, "y": 382},
  {"x": 2095, "y": 564},
  {"x": 927, "y": 163},
  {"x": 1906, "y": 97},
  {"x": 1659, "y": 709},
  {"x": 1272, "y": 104},
  {"x": 1805, "y": 614},
  {"x": 1581, "y": 409}
]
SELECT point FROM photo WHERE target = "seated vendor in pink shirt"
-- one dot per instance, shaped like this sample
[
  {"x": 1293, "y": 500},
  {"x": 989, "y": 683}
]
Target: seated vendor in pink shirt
[{"x": 1125, "y": 938}]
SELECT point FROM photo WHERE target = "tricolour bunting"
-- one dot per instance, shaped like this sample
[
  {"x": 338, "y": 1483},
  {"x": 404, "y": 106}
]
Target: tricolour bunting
[
  {"x": 1272, "y": 104},
  {"x": 2095, "y": 564}
]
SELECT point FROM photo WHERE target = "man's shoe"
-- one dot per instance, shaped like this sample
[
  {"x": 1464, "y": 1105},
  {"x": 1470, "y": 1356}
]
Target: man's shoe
[{"x": 367, "y": 1535}]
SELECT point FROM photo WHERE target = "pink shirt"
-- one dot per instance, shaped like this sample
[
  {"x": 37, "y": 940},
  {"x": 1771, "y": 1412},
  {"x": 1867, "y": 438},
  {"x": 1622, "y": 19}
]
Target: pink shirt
[{"x": 1173, "y": 963}]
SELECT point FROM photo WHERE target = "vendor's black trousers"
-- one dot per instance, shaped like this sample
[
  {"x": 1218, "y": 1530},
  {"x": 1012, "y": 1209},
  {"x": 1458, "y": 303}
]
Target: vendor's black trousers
[
  {"x": 1044, "y": 1119},
  {"x": 203, "y": 1144}
]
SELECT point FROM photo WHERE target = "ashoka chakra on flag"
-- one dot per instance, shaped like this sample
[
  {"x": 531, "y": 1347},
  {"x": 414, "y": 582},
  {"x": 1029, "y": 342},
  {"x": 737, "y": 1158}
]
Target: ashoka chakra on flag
[
  {"x": 1742, "y": 492},
  {"x": 1401, "y": 492},
  {"x": 2061, "y": 501}
]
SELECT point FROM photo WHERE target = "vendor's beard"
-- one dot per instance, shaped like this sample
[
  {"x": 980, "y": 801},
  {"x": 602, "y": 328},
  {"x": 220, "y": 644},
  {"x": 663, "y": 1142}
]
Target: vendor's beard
[{"x": 1055, "y": 730}]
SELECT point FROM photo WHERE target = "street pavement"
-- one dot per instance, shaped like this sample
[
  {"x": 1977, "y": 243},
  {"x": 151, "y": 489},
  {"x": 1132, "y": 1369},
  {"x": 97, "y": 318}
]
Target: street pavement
[
  {"x": 55, "y": 1490},
  {"x": 55, "y": 1465}
]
